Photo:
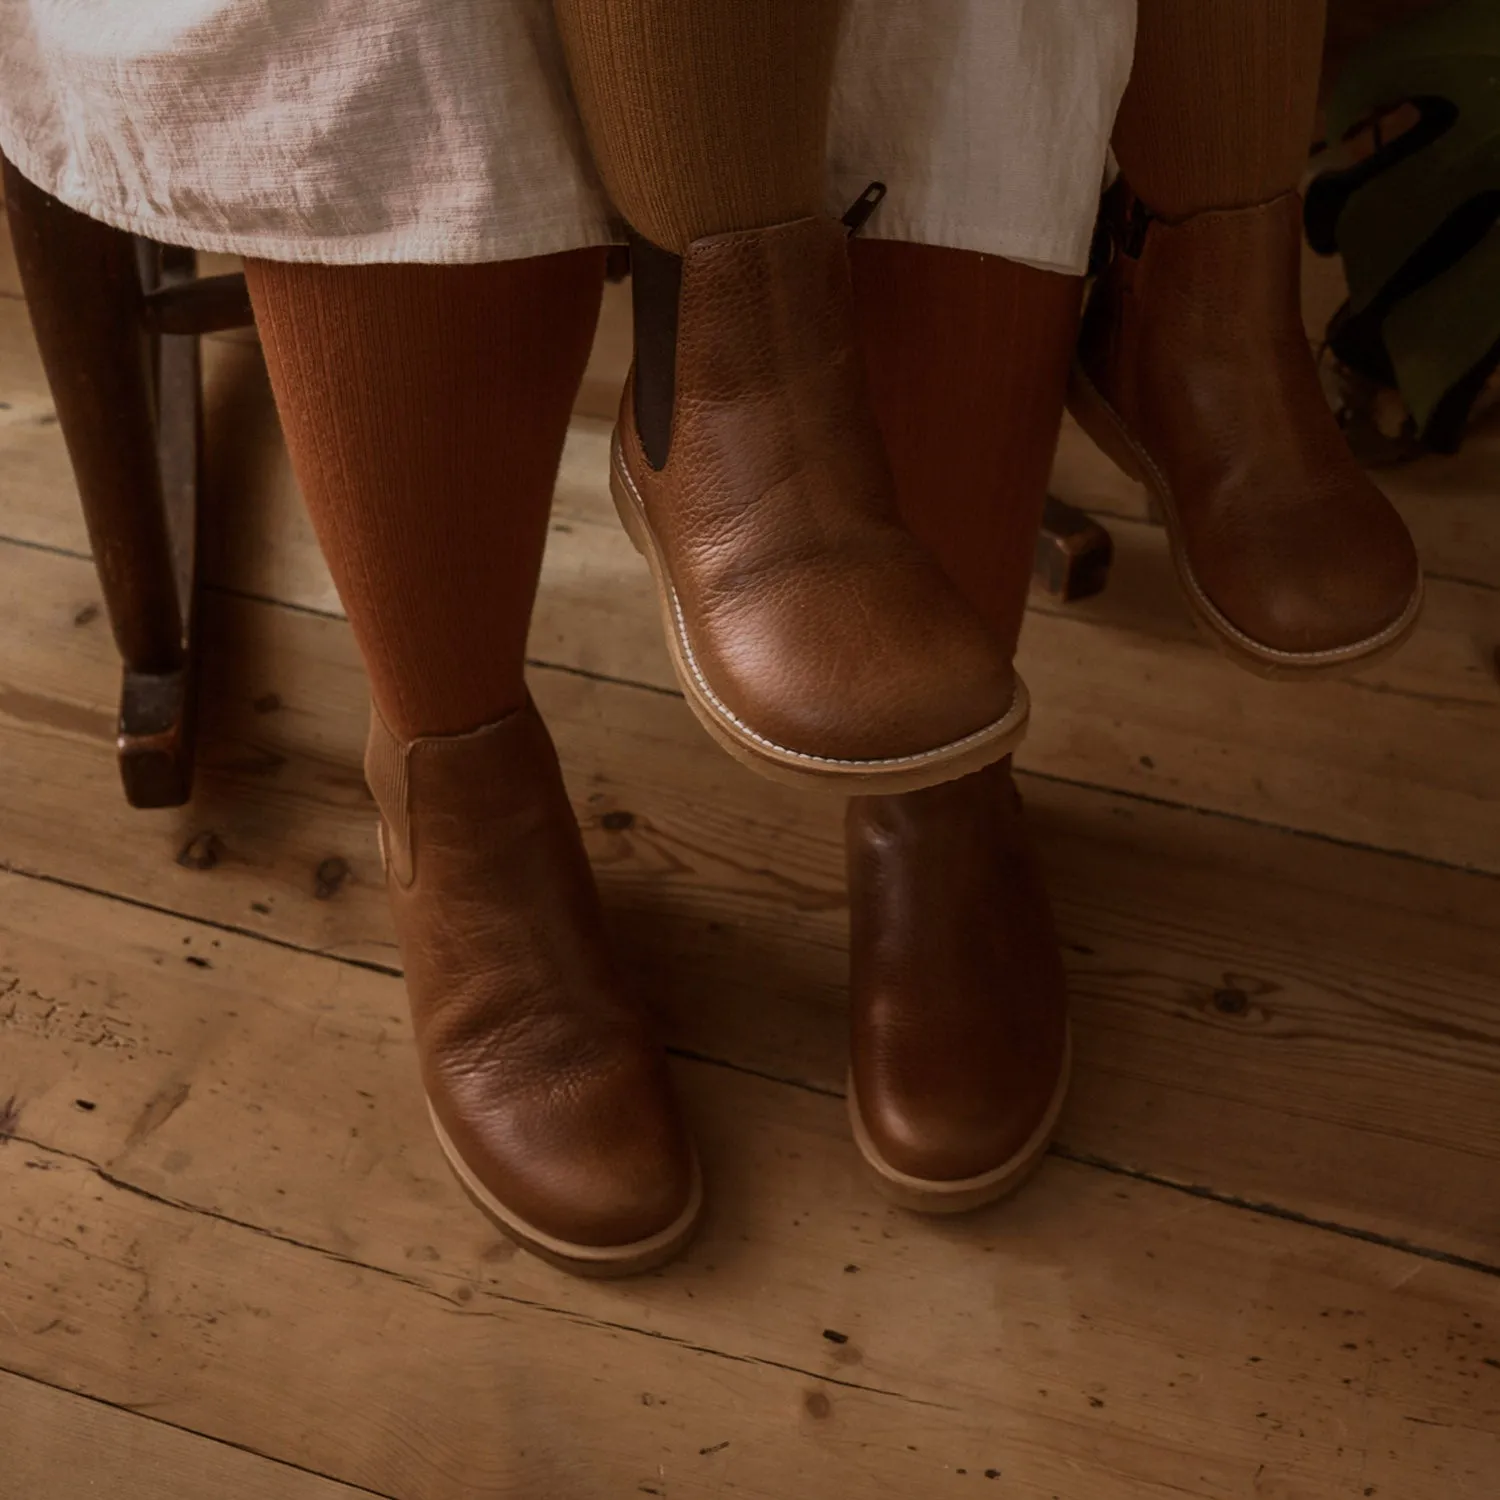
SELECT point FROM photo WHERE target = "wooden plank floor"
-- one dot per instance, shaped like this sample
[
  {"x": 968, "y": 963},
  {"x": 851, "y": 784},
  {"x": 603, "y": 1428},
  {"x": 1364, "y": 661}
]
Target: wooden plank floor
[{"x": 1264, "y": 1261}]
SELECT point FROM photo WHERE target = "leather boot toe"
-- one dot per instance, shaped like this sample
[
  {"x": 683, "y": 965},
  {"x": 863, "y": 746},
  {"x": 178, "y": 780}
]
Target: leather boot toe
[
  {"x": 1194, "y": 374},
  {"x": 813, "y": 637},
  {"x": 959, "y": 1039}
]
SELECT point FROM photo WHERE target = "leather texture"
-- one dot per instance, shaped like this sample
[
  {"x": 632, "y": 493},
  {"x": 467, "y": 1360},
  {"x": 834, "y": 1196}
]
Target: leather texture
[
  {"x": 958, "y": 999},
  {"x": 1194, "y": 339},
  {"x": 542, "y": 1068},
  {"x": 812, "y": 615}
]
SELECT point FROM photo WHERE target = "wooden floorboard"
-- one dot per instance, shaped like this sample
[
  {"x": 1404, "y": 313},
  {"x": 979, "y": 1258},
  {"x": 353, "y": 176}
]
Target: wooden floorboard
[
  {"x": 222, "y": 1208},
  {"x": 1264, "y": 1260},
  {"x": 55, "y": 1443},
  {"x": 1256, "y": 1011}
]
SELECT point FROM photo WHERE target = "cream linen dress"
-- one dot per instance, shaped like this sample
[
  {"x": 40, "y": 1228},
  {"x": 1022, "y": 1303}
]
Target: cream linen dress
[{"x": 349, "y": 131}]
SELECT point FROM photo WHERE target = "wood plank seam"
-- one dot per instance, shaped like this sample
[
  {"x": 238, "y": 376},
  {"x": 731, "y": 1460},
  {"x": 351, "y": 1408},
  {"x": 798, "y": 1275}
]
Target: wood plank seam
[
  {"x": 49, "y": 548},
  {"x": 1131, "y": 795},
  {"x": 387, "y": 971},
  {"x": 227, "y": 591},
  {"x": 1274, "y": 1211},
  {"x": 510, "y": 1299},
  {"x": 207, "y": 1437}
]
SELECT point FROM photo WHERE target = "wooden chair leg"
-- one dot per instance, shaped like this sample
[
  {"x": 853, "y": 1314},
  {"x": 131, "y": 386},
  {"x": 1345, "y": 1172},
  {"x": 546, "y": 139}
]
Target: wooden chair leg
[
  {"x": 158, "y": 712},
  {"x": 1073, "y": 553},
  {"x": 127, "y": 405}
]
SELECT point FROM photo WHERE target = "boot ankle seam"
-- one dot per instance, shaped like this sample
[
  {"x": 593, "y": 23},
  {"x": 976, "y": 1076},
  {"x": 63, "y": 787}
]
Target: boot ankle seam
[{"x": 1203, "y": 215}]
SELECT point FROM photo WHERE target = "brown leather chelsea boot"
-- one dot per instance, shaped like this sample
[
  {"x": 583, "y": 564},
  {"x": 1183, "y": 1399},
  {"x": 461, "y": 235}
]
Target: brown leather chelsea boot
[
  {"x": 959, "y": 1051},
  {"x": 812, "y": 636},
  {"x": 1195, "y": 375},
  {"x": 547, "y": 1086}
]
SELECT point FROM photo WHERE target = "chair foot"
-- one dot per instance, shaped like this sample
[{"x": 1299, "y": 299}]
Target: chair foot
[
  {"x": 128, "y": 397},
  {"x": 158, "y": 710},
  {"x": 1073, "y": 553},
  {"x": 155, "y": 743}
]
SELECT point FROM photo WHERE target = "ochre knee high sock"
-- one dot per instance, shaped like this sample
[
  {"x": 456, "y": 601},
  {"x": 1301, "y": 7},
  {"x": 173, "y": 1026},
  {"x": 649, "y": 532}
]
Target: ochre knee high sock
[
  {"x": 425, "y": 409},
  {"x": 1220, "y": 107},
  {"x": 967, "y": 357},
  {"x": 704, "y": 115}
]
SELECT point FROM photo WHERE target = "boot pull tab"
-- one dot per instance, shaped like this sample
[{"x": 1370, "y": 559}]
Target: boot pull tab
[{"x": 858, "y": 212}]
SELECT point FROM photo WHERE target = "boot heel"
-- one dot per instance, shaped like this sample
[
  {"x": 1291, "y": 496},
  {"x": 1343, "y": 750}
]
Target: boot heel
[{"x": 1098, "y": 420}]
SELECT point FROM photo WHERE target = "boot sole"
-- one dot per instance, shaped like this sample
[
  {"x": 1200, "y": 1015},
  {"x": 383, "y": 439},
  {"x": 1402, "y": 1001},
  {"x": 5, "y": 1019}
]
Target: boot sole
[
  {"x": 906, "y": 773},
  {"x": 962, "y": 1195},
  {"x": 1107, "y": 429},
  {"x": 597, "y": 1261}
]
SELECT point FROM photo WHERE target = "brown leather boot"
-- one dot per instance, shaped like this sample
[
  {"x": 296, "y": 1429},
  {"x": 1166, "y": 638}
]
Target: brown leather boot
[
  {"x": 813, "y": 637},
  {"x": 1194, "y": 374},
  {"x": 547, "y": 1087},
  {"x": 959, "y": 1037}
]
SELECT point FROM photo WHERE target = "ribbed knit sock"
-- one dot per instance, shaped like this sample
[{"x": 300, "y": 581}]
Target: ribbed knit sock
[
  {"x": 425, "y": 409},
  {"x": 968, "y": 357},
  {"x": 1220, "y": 107},
  {"x": 704, "y": 115}
]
